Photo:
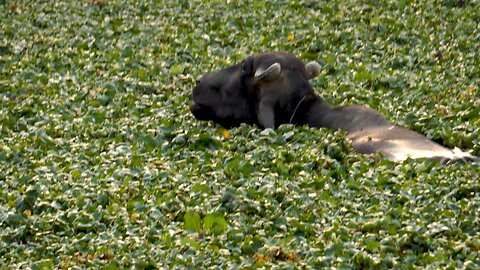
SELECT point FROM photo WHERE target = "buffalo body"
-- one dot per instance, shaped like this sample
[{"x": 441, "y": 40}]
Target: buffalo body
[{"x": 273, "y": 89}]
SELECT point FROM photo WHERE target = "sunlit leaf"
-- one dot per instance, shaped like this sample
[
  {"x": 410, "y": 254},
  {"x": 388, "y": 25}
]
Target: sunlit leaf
[
  {"x": 214, "y": 223},
  {"x": 192, "y": 221}
]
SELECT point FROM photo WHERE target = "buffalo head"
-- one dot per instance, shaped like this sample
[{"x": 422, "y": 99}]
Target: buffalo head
[{"x": 259, "y": 90}]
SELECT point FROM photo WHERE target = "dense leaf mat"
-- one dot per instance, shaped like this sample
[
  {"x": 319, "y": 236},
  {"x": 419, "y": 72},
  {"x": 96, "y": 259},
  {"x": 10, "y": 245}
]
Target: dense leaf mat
[{"x": 103, "y": 166}]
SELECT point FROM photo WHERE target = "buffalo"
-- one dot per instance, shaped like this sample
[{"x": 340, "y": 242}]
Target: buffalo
[{"x": 273, "y": 89}]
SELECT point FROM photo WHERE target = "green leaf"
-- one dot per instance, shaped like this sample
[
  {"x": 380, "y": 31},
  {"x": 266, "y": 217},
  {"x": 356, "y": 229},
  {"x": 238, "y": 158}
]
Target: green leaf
[
  {"x": 104, "y": 99},
  {"x": 178, "y": 69},
  {"x": 200, "y": 188},
  {"x": 372, "y": 246},
  {"x": 191, "y": 243},
  {"x": 142, "y": 74},
  {"x": 214, "y": 223},
  {"x": 374, "y": 20},
  {"x": 192, "y": 221},
  {"x": 44, "y": 264},
  {"x": 111, "y": 266}
]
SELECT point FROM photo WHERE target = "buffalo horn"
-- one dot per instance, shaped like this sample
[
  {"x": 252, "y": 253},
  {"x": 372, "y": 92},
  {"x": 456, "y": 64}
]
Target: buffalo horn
[{"x": 270, "y": 73}]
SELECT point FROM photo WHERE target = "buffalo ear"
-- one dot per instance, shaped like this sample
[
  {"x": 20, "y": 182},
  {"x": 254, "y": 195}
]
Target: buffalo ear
[
  {"x": 271, "y": 73},
  {"x": 313, "y": 69}
]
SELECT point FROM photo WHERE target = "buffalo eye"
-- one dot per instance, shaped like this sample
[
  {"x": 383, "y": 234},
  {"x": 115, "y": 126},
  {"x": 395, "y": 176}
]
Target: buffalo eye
[{"x": 215, "y": 89}]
